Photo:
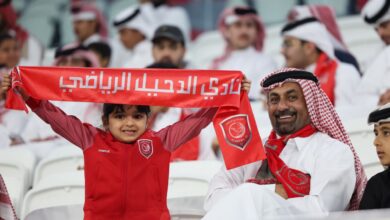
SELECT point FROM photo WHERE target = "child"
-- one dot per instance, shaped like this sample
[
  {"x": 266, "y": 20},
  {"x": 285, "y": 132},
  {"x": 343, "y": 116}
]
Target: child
[
  {"x": 126, "y": 165},
  {"x": 377, "y": 193}
]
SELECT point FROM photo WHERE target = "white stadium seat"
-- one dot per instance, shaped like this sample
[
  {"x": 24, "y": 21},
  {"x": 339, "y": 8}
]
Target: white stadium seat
[
  {"x": 55, "y": 190},
  {"x": 64, "y": 159}
]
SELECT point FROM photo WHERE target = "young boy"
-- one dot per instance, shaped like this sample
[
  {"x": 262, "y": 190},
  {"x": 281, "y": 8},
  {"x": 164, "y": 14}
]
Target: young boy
[{"x": 377, "y": 193}]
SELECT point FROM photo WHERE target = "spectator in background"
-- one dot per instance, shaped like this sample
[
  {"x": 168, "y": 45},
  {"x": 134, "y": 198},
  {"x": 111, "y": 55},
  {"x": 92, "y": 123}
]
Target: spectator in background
[
  {"x": 169, "y": 46},
  {"x": 244, "y": 34},
  {"x": 31, "y": 50},
  {"x": 377, "y": 192},
  {"x": 135, "y": 30},
  {"x": 326, "y": 15},
  {"x": 375, "y": 86},
  {"x": 11, "y": 121},
  {"x": 89, "y": 24},
  {"x": 103, "y": 51},
  {"x": 164, "y": 14},
  {"x": 306, "y": 45}
]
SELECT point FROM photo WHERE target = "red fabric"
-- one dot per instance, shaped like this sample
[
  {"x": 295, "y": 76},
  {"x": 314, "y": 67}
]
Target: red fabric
[
  {"x": 325, "y": 119},
  {"x": 234, "y": 122},
  {"x": 295, "y": 182},
  {"x": 189, "y": 150},
  {"x": 9, "y": 17},
  {"x": 122, "y": 180},
  {"x": 326, "y": 73}
]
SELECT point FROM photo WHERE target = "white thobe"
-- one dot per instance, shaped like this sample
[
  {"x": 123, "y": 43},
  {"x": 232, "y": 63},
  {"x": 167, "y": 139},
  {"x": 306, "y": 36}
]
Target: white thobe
[
  {"x": 253, "y": 64},
  {"x": 169, "y": 15},
  {"x": 32, "y": 52},
  {"x": 141, "y": 56},
  {"x": 375, "y": 80},
  {"x": 329, "y": 162}
]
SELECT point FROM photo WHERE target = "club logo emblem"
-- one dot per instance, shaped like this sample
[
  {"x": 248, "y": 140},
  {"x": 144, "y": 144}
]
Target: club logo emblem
[
  {"x": 145, "y": 147},
  {"x": 236, "y": 130}
]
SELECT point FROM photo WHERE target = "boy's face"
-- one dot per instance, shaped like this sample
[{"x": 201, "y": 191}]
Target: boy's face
[
  {"x": 127, "y": 125},
  {"x": 382, "y": 142},
  {"x": 242, "y": 33},
  {"x": 168, "y": 51}
]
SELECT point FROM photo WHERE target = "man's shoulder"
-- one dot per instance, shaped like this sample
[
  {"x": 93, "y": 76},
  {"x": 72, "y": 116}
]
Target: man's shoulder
[{"x": 324, "y": 141}]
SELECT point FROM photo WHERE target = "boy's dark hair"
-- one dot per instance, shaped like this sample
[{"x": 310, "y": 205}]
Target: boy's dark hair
[
  {"x": 101, "y": 48},
  {"x": 108, "y": 108}
]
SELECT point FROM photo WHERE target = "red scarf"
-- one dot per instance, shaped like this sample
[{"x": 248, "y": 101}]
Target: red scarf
[
  {"x": 326, "y": 73},
  {"x": 295, "y": 182},
  {"x": 234, "y": 122}
]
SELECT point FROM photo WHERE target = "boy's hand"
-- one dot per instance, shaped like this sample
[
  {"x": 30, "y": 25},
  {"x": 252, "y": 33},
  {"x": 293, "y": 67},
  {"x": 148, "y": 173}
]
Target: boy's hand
[{"x": 245, "y": 84}]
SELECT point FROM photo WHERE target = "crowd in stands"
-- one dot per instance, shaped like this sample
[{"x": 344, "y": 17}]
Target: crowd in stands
[{"x": 311, "y": 162}]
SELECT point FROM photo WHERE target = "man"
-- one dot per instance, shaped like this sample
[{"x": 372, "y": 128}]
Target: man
[
  {"x": 311, "y": 165},
  {"x": 89, "y": 24},
  {"x": 306, "y": 45},
  {"x": 169, "y": 46},
  {"x": 327, "y": 16},
  {"x": 375, "y": 85},
  {"x": 244, "y": 34},
  {"x": 135, "y": 30}
]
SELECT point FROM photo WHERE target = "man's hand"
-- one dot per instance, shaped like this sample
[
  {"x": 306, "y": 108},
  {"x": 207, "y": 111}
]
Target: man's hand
[
  {"x": 384, "y": 98},
  {"x": 279, "y": 189}
]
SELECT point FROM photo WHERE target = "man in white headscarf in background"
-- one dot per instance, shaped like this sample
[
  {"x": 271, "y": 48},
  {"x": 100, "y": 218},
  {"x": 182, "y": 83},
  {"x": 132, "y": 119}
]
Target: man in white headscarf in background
[
  {"x": 135, "y": 31},
  {"x": 244, "y": 34},
  {"x": 375, "y": 86},
  {"x": 306, "y": 45},
  {"x": 327, "y": 16},
  {"x": 311, "y": 166}
]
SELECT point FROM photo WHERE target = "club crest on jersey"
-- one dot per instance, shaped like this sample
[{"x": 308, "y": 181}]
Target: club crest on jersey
[
  {"x": 145, "y": 147},
  {"x": 236, "y": 130}
]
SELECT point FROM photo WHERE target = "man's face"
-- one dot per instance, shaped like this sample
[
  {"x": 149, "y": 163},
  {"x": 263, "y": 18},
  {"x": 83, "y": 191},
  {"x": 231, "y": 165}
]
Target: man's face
[
  {"x": 287, "y": 108},
  {"x": 84, "y": 28},
  {"x": 294, "y": 52},
  {"x": 242, "y": 33},
  {"x": 382, "y": 142},
  {"x": 168, "y": 51},
  {"x": 130, "y": 37},
  {"x": 383, "y": 30}
]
